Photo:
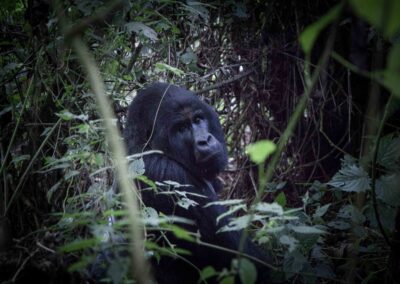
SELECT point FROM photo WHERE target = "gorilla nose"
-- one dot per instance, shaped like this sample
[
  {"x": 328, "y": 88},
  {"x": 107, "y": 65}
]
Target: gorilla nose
[{"x": 204, "y": 141}]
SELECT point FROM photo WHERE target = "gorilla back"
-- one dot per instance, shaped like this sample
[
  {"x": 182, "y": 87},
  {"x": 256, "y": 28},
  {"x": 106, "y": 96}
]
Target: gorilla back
[{"x": 174, "y": 120}]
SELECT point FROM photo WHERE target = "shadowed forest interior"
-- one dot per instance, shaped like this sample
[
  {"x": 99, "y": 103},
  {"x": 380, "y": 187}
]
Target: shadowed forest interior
[{"x": 306, "y": 97}]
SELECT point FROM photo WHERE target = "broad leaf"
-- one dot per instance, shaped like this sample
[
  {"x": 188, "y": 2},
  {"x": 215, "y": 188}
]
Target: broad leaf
[
  {"x": 141, "y": 28},
  {"x": 310, "y": 34},
  {"x": 389, "y": 153},
  {"x": 388, "y": 189},
  {"x": 379, "y": 13},
  {"x": 260, "y": 150},
  {"x": 247, "y": 271},
  {"x": 351, "y": 178},
  {"x": 274, "y": 208},
  {"x": 307, "y": 230},
  {"x": 136, "y": 168}
]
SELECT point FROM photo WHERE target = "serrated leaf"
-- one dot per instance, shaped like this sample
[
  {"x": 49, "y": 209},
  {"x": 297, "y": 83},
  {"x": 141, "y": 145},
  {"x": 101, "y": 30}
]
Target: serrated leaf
[
  {"x": 310, "y": 33},
  {"x": 351, "y": 179},
  {"x": 260, "y": 150}
]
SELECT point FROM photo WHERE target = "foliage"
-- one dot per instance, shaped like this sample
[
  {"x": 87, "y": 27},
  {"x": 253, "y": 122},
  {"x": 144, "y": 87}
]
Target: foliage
[{"x": 57, "y": 176}]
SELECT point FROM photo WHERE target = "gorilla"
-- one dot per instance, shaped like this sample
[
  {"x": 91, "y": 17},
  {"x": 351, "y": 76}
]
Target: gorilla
[{"x": 175, "y": 121}]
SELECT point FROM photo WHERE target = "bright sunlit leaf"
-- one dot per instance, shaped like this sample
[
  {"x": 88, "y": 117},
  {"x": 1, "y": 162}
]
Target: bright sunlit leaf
[{"x": 260, "y": 150}]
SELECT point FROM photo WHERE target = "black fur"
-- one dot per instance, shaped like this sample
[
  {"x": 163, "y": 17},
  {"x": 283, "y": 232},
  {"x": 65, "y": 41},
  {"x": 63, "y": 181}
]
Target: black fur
[{"x": 174, "y": 120}]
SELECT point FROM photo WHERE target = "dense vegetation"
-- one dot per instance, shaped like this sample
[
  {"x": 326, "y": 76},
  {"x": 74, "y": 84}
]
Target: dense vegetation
[{"x": 308, "y": 95}]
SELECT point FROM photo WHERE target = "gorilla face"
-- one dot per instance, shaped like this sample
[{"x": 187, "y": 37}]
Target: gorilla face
[
  {"x": 182, "y": 126},
  {"x": 187, "y": 130}
]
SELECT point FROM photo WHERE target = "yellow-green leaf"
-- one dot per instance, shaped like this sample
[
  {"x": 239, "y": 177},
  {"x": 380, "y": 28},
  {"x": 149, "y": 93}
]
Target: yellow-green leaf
[{"x": 260, "y": 150}]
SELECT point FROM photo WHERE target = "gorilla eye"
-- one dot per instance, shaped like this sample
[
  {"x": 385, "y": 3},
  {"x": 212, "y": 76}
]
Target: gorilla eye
[
  {"x": 197, "y": 119},
  {"x": 182, "y": 128}
]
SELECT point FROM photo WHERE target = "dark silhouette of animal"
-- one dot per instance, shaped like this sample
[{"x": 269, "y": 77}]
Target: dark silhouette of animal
[{"x": 187, "y": 130}]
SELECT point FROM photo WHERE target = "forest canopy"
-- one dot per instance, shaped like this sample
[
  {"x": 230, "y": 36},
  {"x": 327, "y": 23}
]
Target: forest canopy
[{"x": 308, "y": 96}]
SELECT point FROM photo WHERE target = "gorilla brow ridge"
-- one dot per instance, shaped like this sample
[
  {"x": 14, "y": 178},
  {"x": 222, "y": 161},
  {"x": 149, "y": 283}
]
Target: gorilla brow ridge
[{"x": 155, "y": 118}]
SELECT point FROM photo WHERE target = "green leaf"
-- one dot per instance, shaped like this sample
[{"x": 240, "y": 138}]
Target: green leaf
[
  {"x": 388, "y": 190},
  {"x": 281, "y": 199},
  {"x": 165, "y": 67},
  {"x": 206, "y": 273},
  {"x": 391, "y": 75},
  {"x": 189, "y": 57},
  {"x": 186, "y": 202},
  {"x": 260, "y": 150},
  {"x": 228, "y": 280},
  {"x": 79, "y": 245},
  {"x": 310, "y": 33},
  {"x": 382, "y": 14},
  {"x": 237, "y": 224},
  {"x": 339, "y": 225},
  {"x": 136, "y": 168},
  {"x": 307, "y": 230},
  {"x": 141, "y": 28},
  {"x": 181, "y": 233},
  {"x": 294, "y": 262},
  {"x": 227, "y": 202},
  {"x": 321, "y": 210},
  {"x": 65, "y": 115},
  {"x": 231, "y": 210},
  {"x": 289, "y": 241},
  {"x": 247, "y": 271},
  {"x": 351, "y": 178},
  {"x": 389, "y": 153},
  {"x": 81, "y": 264},
  {"x": 274, "y": 208}
]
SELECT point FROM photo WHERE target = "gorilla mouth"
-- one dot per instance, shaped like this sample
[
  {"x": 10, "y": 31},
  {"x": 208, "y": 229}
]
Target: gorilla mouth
[{"x": 200, "y": 159}]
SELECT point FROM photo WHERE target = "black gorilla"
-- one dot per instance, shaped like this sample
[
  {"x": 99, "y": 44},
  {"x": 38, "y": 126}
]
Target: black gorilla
[{"x": 172, "y": 119}]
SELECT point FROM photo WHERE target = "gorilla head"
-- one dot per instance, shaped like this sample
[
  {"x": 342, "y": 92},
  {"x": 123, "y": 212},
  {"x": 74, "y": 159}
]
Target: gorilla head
[{"x": 174, "y": 120}]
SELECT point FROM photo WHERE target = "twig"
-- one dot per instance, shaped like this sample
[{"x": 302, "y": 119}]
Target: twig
[
  {"x": 229, "y": 81},
  {"x": 373, "y": 170},
  {"x": 45, "y": 248},
  {"x": 13, "y": 280}
]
